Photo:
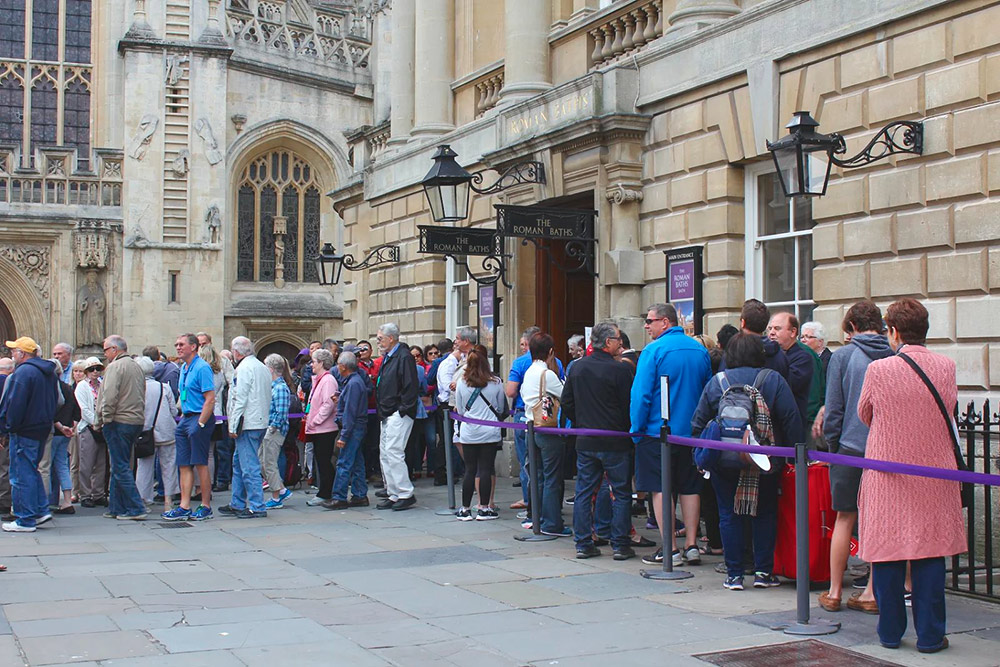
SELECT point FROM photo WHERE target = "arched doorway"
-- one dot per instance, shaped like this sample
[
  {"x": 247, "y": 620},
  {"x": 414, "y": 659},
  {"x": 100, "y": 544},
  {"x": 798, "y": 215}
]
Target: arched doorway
[
  {"x": 287, "y": 350},
  {"x": 7, "y": 329}
]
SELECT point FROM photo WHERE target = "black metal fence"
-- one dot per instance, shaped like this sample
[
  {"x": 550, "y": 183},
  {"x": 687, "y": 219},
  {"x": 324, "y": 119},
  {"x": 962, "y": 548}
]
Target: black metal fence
[{"x": 977, "y": 571}]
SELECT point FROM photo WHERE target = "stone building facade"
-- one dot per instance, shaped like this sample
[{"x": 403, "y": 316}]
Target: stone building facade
[
  {"x": 655, "y": 114},
  {"x": 164, "y": 166}
]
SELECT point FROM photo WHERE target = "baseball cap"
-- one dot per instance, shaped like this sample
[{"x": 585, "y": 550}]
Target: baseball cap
[{"x": 24, "y": 344}]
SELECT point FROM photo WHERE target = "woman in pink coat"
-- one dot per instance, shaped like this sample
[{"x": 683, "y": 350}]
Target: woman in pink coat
[
  {"x": 321, "y": 424},
  {"x": 904, "y": 518}
]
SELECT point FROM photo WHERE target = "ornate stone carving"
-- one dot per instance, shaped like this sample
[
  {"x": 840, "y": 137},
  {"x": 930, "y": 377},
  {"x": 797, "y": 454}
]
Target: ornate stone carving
[
  {"x": 204, "y": 130},
  {"x": 181, "y": 163},
  {"x": 174, "y": 69},
  {"x": 92, "y": 249},
  {"x": 33, "y": 261},
  {"x": 239, "y": 120},
  {"x": 143, "y": 135},
  {"x": 213, "y": 221},
  {"x": 91, "y": 305},
  {"x": 280, "y": 224},
  {"x": 620, "y": 193}
]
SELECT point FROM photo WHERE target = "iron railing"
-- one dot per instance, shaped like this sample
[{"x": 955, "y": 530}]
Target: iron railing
[{"x": 977, "y": 571}]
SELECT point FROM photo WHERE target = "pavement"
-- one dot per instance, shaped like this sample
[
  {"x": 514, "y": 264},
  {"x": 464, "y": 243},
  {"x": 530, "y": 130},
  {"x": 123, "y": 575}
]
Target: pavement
[{"x": 364, "y": 587}]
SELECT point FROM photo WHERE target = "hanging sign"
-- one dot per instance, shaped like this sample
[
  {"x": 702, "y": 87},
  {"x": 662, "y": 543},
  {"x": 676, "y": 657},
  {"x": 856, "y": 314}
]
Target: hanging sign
[
  {"x": 684, "y": 287},
  {"x": 459, "y": 241},
  {"x": 533, "y": 222}
]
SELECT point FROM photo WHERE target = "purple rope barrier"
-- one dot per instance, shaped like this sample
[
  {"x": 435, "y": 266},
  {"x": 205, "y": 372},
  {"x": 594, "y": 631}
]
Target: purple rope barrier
[{"x": 907, "y": 468}]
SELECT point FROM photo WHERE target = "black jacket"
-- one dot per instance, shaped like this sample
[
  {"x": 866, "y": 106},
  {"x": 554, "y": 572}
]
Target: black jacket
[
  {"x": 800, "y": 373},
  {"x": 69, "y": 413},
  {"x": 597, "y": 395},
  {"x": 396, "y": 387}
]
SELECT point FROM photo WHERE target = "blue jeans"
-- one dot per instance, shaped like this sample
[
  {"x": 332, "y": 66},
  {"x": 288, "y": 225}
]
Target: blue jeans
[
  {"x": 59, "y": 468},
  {"x": 521, "y": 448},
  {"x": 603, "y": 511},
  {"x": 592, "y": 469},
  {"x": 552, "y": 451},
  {"x": 351, "y": 469},
  {"x": 248, "y": 487},
  {"x": 224, "y": 461},
  {"x": 26, "y": 488},
  {"x": 123, "y": 496},
  {"x": 764, "y": 526},
  {"x": 928, "y": 576}
]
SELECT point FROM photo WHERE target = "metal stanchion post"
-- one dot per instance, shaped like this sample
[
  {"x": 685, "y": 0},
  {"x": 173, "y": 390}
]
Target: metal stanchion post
[
  {"x": 536, "y": 493},
  {"x": 802, "y": 625},
  {"x": 448, "y": 466},
  {"x": 668, "y": 573}
]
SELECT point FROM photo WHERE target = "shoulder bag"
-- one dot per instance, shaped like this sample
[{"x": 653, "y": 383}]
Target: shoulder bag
[
  {"x": 145, "y": 444},
  {"x": 966, "y": 487},
  {"x": 545, "y": 413}
]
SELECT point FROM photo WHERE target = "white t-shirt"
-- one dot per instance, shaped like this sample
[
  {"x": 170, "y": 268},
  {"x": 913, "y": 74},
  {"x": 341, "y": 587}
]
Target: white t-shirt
[
  {"x": 476, "y": 434},
  {"x": 532, "y": 383}
]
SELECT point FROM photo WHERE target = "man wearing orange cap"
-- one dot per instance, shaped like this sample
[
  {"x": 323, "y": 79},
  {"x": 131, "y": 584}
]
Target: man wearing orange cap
[{"x": 27, "y": 411}]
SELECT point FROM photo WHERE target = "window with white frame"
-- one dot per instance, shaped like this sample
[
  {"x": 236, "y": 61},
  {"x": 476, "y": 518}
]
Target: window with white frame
[
  {"x": 457, "y": 287},
  {"x": 779, "y": 257}
]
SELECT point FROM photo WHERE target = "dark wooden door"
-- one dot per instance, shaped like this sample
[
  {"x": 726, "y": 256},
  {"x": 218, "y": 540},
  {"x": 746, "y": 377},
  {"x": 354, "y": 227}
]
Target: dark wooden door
[{"x": 564, "y": 299}]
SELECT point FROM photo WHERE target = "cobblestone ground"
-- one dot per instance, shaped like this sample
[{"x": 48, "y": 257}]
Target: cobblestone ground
[{"x": 364, "y": 587}]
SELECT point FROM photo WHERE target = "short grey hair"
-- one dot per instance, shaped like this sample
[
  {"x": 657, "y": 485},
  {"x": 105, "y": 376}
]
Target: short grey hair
[
  {"x": 243, "y": 345},
  {"x": 275, "y": 362},
  {"x": 65, "y": 346},
  {"x": 817, "y": 329},
  {"x": 145, "y": 365},
  {"x": 118, "y": 342},
  {"x": 529, "y": 332},
  {"x": 601, "y": 333},
  {"x": 390, "y": 329},
  {"x": 468, "y": 334},
  {"x": 6, "y": 363},
  {"x": 576, "y": 339},
  {"x": 664, "y": 310},
  {"x": 330, "y": 342},
  {"x": 324, "y": 357},
  {"x": 348, "y": 361},
  {"x": 58, "y": 365}
]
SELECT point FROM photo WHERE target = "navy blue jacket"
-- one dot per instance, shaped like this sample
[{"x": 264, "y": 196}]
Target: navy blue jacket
[
  {"x": 169, "y": 372},
  {"x": 774, "y": 358},
  {"x": 800, "y": 375},
  {"x": 353, "y": 406},
  {"x": 785, "y": 418},
  {"x": 28, "y": 407}
]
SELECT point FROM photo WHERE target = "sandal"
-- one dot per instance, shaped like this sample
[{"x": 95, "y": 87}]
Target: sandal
[
  {"x": 867, "y": 606},
  {"x": 3, "y": 568},
  {"x": 829, "y": 603},
  {"x": 708, "y": 551}
]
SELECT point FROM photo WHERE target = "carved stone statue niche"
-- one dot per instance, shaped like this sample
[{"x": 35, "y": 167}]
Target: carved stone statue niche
[
  {"x": 91, "y": 305},
  {"x": 280, "y": 229}
]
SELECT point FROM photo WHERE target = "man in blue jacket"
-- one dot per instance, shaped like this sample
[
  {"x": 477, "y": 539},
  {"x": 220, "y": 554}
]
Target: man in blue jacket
[
  {"x": 352, "y": 410},
  {"x": 27, "y": 411},
  {"x": 783, "y": 329},
  {"x": 685, "y": 361}
]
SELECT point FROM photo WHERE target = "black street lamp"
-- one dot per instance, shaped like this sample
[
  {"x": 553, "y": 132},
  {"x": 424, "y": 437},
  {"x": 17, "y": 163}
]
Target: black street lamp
[
  {"x": 447, "y": 184},
  {"x": 804, "y": 157},
  {"x": 329, "y": 264}
]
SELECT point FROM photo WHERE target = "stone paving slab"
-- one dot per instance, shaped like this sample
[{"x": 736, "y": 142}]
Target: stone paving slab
[
  {"x": 391, "y": 560},
  {"x": 523, "y": 594},
  {"x": 89, "y": 646},
  {"x": 322, "y": 654},
  {"x": 291, "y": 631},
  {"x": 64, "y": 626},
  {"x": 514, "y": 620},
  {"x": 346, "y": 611},
  {"x": 409, "y": 632}
]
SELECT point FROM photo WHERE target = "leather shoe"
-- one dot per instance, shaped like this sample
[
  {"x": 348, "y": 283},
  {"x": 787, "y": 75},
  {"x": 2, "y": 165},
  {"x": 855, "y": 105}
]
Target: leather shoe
[
  {"x": 934, "y": 649},
  {"x": 219, "y": 488},
  {"x": 8, "y": 517},
  {"x": 600, "y": 542},
  {"x": 385, "y": 504},
  {"x": 359, "y": 501},
  {"x": 381, "y": 493},
  {"x": 87, "y": 502},
  {"x": 336, "y": 504},
  {"x": 867, "y": 606},
  {"x": 591, "y": 552},
  {"x": 404, "y": 504},
  {"x": 103, "y": 502},
  {"x": 643, "y": 542},
  {"x": 829, "y": 603},
  {"x": 519, "y": 505},
  {"x": 624, "y": 553}
]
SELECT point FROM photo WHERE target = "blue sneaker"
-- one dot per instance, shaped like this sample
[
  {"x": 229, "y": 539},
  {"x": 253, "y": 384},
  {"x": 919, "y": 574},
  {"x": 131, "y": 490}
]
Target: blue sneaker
[
  {"x": 177, "y": 514},
  {"x": 765, "y": 580},
  {"x": 565, "y": 532},
  {"x": 273, "y": 504},
  {"x": 202, "y": 513},
  {"x": 733, "y": 583},
  {"x": 285, "y": 495}
]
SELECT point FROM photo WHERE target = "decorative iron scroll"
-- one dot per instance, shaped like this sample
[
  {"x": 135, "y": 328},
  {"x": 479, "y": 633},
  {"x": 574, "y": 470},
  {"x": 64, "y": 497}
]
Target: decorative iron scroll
[
  {"x": 524, "y": 172},
  {"x": 382, "y": 254},
  {"x": 900, "y": 137}
]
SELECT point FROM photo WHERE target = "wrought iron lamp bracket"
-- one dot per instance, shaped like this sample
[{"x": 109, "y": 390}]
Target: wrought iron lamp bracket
[
  {"x": 580, "y": 252},
  {"x": 523, "y": 172},
  {"x": 899, "y": 137},
  {"x": 383, "y": 254},
  {"x": 494, "y": 265}
]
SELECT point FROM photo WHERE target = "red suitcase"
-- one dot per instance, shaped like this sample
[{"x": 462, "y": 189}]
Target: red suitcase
[{"x": 821, "y": 520}]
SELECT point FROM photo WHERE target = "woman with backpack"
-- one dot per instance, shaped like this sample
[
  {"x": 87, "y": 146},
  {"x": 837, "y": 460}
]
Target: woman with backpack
[
  {"x": 765, "y": 400},
  {"x": 479, "y": 394}
]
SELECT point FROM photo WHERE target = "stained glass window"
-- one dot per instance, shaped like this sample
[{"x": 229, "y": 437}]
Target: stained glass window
[
  {"x": 77, "y": 48},
  {"x": 44, "y": 111},
  {"x": 45, "y": 30},
  {"x": 76, "y": 120},
  {"x": 277, "y": 181},
  {"x": 11, "y": 28},
  {"x": 11, "y": 109}
]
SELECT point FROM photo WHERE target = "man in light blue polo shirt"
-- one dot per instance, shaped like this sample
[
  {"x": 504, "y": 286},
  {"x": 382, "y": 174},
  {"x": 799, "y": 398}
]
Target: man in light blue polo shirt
[
  {"x": 513, "y": 390},
  {"x": 194, "y": 431}
]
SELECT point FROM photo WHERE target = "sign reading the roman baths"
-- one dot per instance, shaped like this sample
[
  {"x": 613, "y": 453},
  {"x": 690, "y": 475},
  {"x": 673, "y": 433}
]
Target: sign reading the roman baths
[
  {"x": 458, "y": 241},
  {"x": 533, "y": 222},
  {"x": 684, "y": 286},
  {"x": 544, "y": 114}
]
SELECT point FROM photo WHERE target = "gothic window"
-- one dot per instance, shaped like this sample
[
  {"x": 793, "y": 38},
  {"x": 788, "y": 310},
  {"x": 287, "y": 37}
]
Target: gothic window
[
  {"x": 45, "y": 101},
  {"x": 277, "y": 183}
]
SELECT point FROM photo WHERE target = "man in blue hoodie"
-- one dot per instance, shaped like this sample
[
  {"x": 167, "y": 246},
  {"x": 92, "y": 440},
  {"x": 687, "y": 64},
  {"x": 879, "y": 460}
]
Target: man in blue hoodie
[
  {"x": 685, "y": 361},
  {"x": 27, "y": 412}
]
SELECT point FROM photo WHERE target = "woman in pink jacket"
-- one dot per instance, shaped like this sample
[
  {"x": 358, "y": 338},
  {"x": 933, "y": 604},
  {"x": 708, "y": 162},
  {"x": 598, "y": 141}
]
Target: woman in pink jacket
[
  {"x": 904, "y": 518},
  {"x": 321, "y": 425}
]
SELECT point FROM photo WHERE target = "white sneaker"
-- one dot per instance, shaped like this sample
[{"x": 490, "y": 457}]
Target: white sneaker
[
  {"x": 45, "y": 519},
  {"x": 315, "y": 501},
  {"x": 15, "y": 527},
  {"x": 464, "y": 514}
]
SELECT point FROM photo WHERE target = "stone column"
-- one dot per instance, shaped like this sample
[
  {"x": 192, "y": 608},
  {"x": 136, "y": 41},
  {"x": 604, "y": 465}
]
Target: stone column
[
  {"x": 623, "y": 270},
  {"x": 434, "y": 68},
  {"x": 691, "y": 15},
  {"x": 401, "y": 74},
  {"x": 527, "y": 24}
]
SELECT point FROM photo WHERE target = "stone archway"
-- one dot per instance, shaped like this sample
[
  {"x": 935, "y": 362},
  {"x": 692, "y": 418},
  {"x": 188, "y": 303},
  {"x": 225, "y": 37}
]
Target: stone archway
[
  {"x": 25, "y": 314},
  {"x": 285, "y": 349},
  {"x": 7, "y": 329}
]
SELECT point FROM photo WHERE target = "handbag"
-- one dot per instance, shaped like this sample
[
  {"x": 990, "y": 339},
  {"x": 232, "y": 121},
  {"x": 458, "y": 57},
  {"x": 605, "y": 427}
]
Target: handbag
[
  {"x": 145, "y": 445},
  {"x": 967, "y": 488},
  {"x": 545, "y": 413}
]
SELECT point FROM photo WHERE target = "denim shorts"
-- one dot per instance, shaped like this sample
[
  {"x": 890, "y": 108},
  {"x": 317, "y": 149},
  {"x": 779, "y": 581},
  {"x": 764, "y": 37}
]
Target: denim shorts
[
  {"x": 192, "y": 442},
  {"x": 685, "y": 479}
]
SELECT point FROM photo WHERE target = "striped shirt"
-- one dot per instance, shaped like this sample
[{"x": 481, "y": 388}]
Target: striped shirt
[{"x": 281, "y": 397}]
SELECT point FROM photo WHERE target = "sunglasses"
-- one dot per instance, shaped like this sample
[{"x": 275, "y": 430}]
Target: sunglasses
[{"x": 655, "y": 319}]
